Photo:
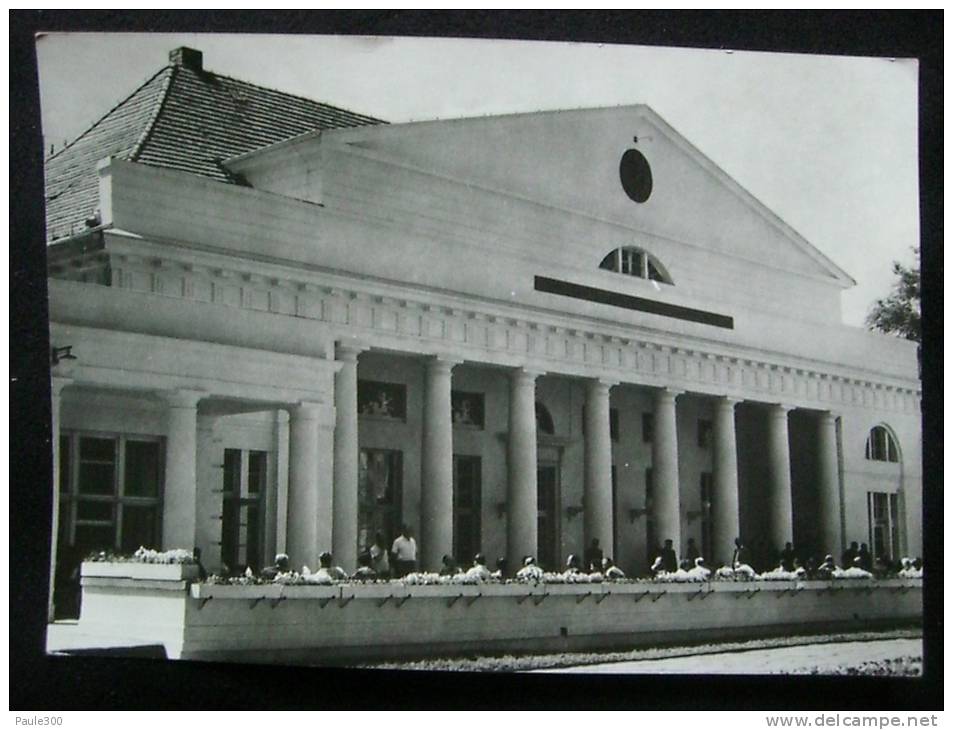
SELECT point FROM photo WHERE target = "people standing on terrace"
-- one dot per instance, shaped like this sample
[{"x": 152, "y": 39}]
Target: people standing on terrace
[
  {"x": 669, "y": 559},
  {"x": 500, "y": 572},
  {"x": 326, "y": 565},
  {"x": 691, "y": 551},
  {"x": 866, "y": 559},
  {"x": 380, "y": 560},
  {"x": 404, "y": 551},
  {"x": 364, "y": 570},
  {"x": 849, "y": 554},
  {"x": 529, "y": 571},
  {"x": 449, "y": 566},
  {"x": 479, "y": 571},
  {"x": 593, "y": 557},
  {"x": 282, "y": 565},
  {"x": 787, "y": 557}
]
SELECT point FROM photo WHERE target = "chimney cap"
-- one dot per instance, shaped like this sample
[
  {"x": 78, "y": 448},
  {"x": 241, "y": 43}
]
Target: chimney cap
[{"x": 188, "y": 57}]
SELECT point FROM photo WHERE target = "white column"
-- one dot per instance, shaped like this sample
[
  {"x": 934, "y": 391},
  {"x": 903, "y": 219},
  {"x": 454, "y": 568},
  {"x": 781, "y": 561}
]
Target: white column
[
  {"x": 310, "y": 500},
  {"x": 281, "y": 481},
  {"x": 597, "y": 497},
  {"x": 208, "y": 503},
  {"x": 345, "y": 458},
  {"x": 56, "y": 390},
  {"x": 521, "y": 495},
  {"x": 780, "y": 510},
  {"x": 436, "y": 495},
  {"x": 179, "y": 499},
  {"x": 666, "y": 503},
  {"x": 725, "y": 512},
  {"x": 828, "y": 485}
]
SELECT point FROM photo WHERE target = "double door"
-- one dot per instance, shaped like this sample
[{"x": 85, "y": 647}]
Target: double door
[{"x": 547, "y": 515}]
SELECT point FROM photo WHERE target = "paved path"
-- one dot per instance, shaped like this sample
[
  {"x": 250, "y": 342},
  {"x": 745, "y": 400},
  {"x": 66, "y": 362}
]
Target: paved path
[{"x": 789, "y": 659}]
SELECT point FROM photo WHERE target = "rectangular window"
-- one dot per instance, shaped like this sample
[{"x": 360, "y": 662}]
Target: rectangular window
[
  {"x": 648, "y": 427},
  {"x": 142, "y": 469},
  {"x": 110, "y": 500},
  {"x": 244, "y": 485},
  {"x": 883, "y": 512},
  {"x": 467, "y": 409},
  {"x": 382, "y": 400},
  {"x": 466, "y": 508},
  {"x": 704, "y": 433},
  {"x": 97, "y": 466}
]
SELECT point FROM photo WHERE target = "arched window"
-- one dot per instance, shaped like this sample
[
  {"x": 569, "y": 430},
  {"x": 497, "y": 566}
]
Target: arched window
[
  {"x": 635, "y": 262},
  {"x": 881, "y": 445},
  {"x": 544, "y": 421}
]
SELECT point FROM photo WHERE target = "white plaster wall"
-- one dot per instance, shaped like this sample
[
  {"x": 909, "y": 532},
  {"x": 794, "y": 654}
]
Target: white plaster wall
[{"x": 862, "y": 475}]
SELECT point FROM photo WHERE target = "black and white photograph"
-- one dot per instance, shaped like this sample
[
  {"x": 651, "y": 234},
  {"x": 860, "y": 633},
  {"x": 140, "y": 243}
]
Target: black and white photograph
[{"x": 479, "y": 355}]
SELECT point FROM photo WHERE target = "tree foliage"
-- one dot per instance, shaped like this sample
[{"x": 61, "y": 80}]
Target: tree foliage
[{"x": 899, "y": 313}]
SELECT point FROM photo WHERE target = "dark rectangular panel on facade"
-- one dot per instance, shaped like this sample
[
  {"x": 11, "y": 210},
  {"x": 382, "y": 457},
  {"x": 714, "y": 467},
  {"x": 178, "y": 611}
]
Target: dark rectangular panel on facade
[
  {"x": 382, "y": 400},
  {"x": 627, "y": 301},
  {"x": 467, "y": 409}
]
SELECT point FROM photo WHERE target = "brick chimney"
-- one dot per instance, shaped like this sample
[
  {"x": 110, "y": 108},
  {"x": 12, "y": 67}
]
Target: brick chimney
[{"x": 187, "y": 57}]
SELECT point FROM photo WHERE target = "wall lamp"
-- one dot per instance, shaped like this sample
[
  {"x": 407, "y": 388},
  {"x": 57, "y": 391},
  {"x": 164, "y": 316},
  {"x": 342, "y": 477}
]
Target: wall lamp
[
  {"x": 61, "y": 353},
  {"x": 636, "y": 512},
  {"x": 500, "y": 510},
  {"x": 573, "y": 510}
]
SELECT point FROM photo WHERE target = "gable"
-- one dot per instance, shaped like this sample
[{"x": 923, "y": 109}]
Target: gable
[{"x": 571, "y": 160}]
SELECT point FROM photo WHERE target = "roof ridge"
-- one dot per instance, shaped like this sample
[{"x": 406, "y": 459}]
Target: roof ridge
[
  {"x": 99, "y": 121},
  {"x": 150, "y": 125},
  {"x": 294, "y": 96}
]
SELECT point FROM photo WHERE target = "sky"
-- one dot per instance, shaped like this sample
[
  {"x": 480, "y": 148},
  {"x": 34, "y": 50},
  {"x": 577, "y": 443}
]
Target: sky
[{"x": 829, "y": 143}]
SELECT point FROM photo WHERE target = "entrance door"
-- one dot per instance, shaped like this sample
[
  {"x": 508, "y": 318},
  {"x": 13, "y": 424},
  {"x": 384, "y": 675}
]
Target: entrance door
[
  {"x": 466, "y": 508},
  {"x": 244, "y": 483},
  {"x": 547, "y": 479},
  {"x": 379, "y": 489}
]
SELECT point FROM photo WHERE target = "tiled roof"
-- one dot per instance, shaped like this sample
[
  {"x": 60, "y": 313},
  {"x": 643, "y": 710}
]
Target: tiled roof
[{"x": 184, "y": 119}]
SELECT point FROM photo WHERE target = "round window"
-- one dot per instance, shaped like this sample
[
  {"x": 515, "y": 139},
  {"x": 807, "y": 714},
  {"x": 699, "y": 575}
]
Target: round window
[{"x": 636, "y": 176}]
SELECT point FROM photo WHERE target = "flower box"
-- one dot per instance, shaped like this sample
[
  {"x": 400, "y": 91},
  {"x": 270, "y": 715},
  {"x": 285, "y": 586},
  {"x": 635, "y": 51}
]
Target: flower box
[{"x": 140, "y": 571}]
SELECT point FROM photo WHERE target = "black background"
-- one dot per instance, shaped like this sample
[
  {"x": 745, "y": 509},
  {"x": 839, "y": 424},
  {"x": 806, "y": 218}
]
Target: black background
[{"x": 40, "y": 682}]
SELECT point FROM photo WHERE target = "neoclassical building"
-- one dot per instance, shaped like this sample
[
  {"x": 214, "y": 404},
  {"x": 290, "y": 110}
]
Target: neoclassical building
[{"x": 281, "y": 326}]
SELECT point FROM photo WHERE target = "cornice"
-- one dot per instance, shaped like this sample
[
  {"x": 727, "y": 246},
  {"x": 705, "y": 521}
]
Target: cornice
[{"x": 413, "y": 320}]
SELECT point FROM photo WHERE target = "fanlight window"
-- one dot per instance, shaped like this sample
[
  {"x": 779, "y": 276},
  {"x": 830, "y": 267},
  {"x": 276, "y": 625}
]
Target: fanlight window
[
  {"x": 635, "y": 262},
  {"x": 881, "y": 445},
  {"x": 544, "y": 421}
]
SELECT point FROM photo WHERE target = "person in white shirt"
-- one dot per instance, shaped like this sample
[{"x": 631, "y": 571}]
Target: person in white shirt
[
  {"x": 404, "y": 550},
  {"x": 327, "y": 568},
  {"x": 530, "y": 571},
  {"x": 479, "y": 571}
]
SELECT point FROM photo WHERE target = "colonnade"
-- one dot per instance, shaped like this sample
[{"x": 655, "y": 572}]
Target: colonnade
[{"x": 322, "y": 505}]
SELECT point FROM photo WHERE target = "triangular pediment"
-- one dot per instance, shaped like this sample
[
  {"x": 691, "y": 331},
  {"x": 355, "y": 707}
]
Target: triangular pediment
[{"x": 571, "y": 160}]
